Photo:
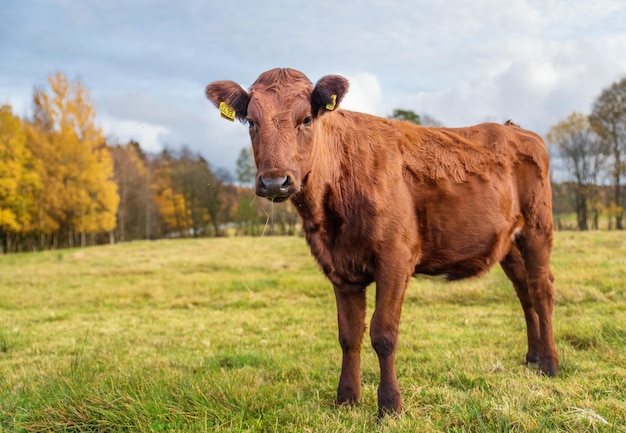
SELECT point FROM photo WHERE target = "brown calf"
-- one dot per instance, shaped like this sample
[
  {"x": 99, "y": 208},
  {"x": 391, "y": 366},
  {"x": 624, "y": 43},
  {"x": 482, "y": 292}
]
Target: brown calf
[{"x": 382, "y": 200}]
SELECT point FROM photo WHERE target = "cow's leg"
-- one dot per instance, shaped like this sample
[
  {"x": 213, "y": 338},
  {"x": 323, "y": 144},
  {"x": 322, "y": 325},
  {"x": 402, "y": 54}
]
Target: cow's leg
[
  {"x": 351, "y": 306},
  {"x": 391, "y": 283},
  {"x": 534, "y": 246},
  {"x": 514, "y": 268}
]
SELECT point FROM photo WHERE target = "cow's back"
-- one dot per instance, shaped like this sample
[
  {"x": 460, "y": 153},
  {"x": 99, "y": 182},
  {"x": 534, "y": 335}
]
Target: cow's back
[{"x": 528, "y": 161}]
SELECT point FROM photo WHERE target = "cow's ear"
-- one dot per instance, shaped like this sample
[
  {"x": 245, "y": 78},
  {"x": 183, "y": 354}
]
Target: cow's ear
[
  {"x": 328, "y": 93},
  {"x": 231, "y": 99}
]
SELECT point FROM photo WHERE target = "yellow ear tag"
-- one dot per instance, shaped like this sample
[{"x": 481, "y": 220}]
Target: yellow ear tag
[
  {"x": 227, "y": 111},
  {"x": 333, "y": 103}
]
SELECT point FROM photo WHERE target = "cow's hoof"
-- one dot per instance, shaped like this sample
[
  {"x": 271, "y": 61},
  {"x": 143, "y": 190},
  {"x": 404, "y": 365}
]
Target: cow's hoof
[
  {"x": 385, "y": 412},
  {"x": 389, "y": 405},
  {"x": 347, "y": 399},
  {"x": 548, "y": 367},
  {"x": 532, "y": 358}
]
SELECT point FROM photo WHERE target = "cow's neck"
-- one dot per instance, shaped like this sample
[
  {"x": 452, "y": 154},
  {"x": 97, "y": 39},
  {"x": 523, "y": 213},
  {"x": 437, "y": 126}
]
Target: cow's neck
[
  {"x": 321, "y": 182},
  {"x": 329, "y": 184},
  {"x": 330, "y": 226}
]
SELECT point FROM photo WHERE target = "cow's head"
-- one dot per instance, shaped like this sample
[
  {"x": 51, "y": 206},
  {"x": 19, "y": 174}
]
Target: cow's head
[{"x": 281, "y": 110}]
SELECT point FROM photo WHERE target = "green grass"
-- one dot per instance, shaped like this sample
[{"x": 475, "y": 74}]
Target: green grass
[{"x": 239, "y": 335}]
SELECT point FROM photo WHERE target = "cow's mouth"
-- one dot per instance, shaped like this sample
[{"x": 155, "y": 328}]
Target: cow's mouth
[{"x": 278, "y": 199}]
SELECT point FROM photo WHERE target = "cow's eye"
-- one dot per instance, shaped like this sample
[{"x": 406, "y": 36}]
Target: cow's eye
[
  {"x": 307, "y": 121},
  {"x": 250, "y": 123}
]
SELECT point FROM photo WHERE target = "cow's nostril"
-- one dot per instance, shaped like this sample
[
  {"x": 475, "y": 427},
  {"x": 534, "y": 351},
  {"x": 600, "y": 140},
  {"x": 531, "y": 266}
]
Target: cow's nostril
[{"x": 273, "y": 187}]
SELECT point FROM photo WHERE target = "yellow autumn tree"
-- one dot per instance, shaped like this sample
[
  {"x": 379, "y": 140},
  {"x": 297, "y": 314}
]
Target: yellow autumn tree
[
  {"x": 75, "y": 162},
  {"x": 19, "y": 182},
  {"x": 175, "y": 216},
  {"x": 47, "y": 219}
]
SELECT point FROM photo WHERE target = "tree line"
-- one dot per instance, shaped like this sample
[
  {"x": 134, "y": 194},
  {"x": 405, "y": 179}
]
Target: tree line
[
  {"x": 592, "y": 149},
  {"x": 62, "y": 185}
]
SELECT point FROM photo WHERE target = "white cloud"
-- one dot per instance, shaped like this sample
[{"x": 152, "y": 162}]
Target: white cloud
[
  {"x": 123, "y": 130},
  {"x": 364, "y": 94},
  {"x": 222, "y": 139},
  {"x": 534, "y": 81},
  {"x": 19, "y": 100}
]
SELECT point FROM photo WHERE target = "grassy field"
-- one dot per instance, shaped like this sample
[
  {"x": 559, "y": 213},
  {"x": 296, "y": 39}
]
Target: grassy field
[{"x": 239, "y": 335}]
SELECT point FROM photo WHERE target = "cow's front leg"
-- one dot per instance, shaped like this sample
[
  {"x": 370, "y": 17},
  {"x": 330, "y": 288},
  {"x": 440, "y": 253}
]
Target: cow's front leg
[
  {"x": 390, "y": 289},
  {"x": 351, "y": 303}
]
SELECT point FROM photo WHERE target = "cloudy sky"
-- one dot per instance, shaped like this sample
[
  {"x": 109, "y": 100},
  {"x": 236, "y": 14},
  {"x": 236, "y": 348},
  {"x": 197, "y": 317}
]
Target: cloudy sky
[{"x": 147, "y": 62}]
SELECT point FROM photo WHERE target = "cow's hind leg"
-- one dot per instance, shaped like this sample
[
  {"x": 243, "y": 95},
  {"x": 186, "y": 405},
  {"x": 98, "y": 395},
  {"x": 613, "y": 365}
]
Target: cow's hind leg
[
  {"x": 513, "y": 266},
  {"x": 527, "y": 266},
  {"x": 351, "y": 305}
]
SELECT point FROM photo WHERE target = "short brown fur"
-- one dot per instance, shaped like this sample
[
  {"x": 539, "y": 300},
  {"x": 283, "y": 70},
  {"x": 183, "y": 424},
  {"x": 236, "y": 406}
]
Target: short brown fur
[{"x": 381, "y": 200}]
